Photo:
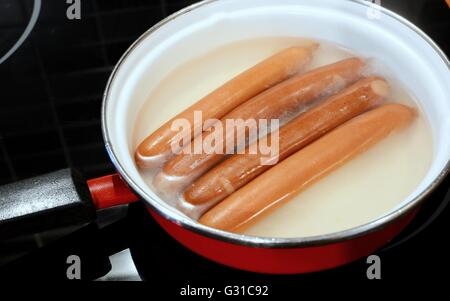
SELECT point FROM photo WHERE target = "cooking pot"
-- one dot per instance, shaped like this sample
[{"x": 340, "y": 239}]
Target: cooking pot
[{"x": 372, "y": 31}]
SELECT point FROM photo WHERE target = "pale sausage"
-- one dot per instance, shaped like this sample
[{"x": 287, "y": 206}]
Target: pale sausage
[
  {"x": 239, "y": 169},
  {"x": 287, "y": 179},
  {"x": 157, "y": 148}
]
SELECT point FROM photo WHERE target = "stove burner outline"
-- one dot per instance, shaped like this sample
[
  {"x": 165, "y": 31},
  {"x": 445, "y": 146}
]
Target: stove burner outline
[{"x": 26, "y": 32}]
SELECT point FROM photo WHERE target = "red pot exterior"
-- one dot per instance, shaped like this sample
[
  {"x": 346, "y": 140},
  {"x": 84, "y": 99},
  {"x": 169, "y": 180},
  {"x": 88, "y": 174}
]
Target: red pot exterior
[{"x": 293, "y": 260}]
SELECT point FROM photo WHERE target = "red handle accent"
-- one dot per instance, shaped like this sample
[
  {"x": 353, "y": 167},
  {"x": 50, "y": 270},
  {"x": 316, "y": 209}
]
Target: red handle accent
[{"x": 110, "y": 191}]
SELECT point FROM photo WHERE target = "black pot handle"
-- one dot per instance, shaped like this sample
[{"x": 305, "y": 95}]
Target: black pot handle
[{"x": 44, "y": 202}]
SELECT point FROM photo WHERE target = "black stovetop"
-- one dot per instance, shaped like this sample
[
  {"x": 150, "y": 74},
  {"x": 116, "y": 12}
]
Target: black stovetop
[{"x": 50, "y": 119}]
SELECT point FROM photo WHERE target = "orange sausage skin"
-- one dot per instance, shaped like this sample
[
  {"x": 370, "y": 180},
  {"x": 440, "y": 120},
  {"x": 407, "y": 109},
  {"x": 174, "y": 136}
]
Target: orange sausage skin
[
  {"x": 286, "y": 97},
  {"x": 157, "y": 148},
  {"x": 239, "y": 169},
  {"x": 287, "y": 179}
]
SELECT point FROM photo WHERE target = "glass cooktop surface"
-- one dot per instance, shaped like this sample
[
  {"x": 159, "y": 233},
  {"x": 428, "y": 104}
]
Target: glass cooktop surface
[{"x": 50, "y": 97}]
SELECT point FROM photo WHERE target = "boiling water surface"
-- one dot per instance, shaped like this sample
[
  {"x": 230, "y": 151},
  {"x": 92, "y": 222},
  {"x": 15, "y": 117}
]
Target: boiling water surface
[{"x": 364, "y": 189}]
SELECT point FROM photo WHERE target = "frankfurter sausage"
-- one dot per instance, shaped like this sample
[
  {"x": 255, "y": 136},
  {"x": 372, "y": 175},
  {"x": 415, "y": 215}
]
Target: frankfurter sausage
[
  {"x": 286, "y": 97},
  {"x": 157, "y": 148},
  {"x": 308, "y": 165},
  {"x": 238, "y": 170}
]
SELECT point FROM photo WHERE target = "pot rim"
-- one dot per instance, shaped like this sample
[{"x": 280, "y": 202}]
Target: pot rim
[{"x": 256, "y": 241}]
